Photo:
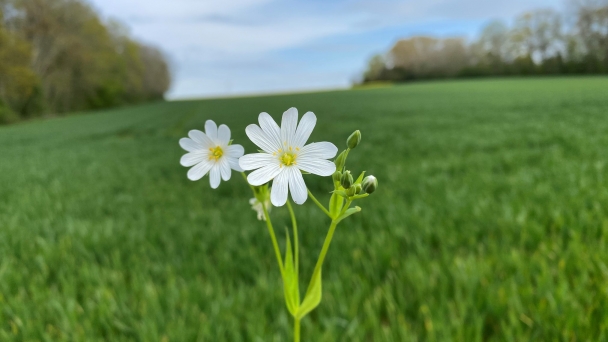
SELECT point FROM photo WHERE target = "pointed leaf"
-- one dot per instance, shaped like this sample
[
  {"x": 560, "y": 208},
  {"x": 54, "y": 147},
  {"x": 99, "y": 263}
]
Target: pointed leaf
[
  {"x": 290, "y": 280},
  {"x": 359, "y": 196},
  {"x": 336, "y": 202},
  {"x": 340, "y": 192},
  {"x": 312, "y": 298},
  {"x": 349, "y": 212},
  {"x": 360, "y": 178}
]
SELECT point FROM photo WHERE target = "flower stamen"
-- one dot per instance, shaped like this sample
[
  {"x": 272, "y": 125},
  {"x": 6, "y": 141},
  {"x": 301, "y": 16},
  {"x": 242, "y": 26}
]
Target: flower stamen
[
  {"x": 288, "y": 159},
  {"x": 216, "y": 153}
]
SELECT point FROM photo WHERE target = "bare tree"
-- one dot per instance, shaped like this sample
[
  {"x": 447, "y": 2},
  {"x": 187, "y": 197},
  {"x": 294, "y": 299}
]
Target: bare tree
[
  {"x": 537, "y": 34},
  {"x": 493, "y": 40},
  {"x": 592, "y": 26}
]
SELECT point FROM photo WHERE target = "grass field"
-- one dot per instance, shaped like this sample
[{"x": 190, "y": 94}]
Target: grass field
[{"x": 490, "y": 222}]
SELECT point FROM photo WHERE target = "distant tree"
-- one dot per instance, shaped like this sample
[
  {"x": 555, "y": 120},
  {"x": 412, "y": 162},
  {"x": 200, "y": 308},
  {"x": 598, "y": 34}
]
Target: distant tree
[
  {"x": 537, "y": 34},
  {"x": 592, "y": 27},
  {"x": 493, "y": 41},
  {"x": 157, "y": 77},
  {"x": 375, "y": 68},
  {"x": 426, "y": 57},
  {"x": 539, "y": 42},
  {"x": 452, "y": 55},
  {"x": 18, "y": 82},
  {"x": 79, "y": 61}
]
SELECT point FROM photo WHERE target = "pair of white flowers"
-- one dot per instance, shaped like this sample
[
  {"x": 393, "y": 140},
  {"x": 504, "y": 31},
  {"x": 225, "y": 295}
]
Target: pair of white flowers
[{"x": 283, "y": 156}]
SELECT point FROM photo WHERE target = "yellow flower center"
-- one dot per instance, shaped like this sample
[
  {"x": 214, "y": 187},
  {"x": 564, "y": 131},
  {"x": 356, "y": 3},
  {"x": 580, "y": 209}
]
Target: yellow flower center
[
  {"x": 216, "y": 153},
  {"x": 288, "y": 159}
]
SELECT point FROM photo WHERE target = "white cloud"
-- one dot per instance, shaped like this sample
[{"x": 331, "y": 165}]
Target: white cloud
[{"x": 233, "y": 46}]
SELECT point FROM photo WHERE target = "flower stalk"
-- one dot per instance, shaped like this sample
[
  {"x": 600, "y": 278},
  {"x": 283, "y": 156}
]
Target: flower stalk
[{"x": 283, "y": 159}]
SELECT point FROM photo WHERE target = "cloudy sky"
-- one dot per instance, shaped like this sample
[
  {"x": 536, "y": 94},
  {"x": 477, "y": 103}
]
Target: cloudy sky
[{"x": 231, "y": 47}]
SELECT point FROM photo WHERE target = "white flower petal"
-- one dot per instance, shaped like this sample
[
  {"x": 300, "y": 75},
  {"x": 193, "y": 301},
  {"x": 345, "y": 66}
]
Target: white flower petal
[
  {"x": 234, "y": 164},
  {"x": 211, "y": 129},
  {"x": 201, "y": 138},
  {"x": 278, "y": 193},
  {"x": 315, "y": 166},
  {"x": 223, "y": 135},
  {"x": 257, "y": 160},
  {"x": 297, "y": 187},
  {"x": 261, "y": 139},
  {"x": 264, "y": 174},
  {"x": 193, "y": 158},
  {"x": 320, "y": 150},
  {"x": 235, "y": 151},
  {"x": 289, "y": 124},
  {"x": 189, "y": 145},
  {"x": 197, "y": 172},
  {"x": 214, "y": 176},
  {"x": 305, "y": 127},
  {"x": 225, "y": 168},
  {"x": 270, "y": 127}
]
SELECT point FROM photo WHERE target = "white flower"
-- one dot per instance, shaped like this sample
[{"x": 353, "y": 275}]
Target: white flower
[
  {"x": 210, "y": 152},
  {"x": 257, "y": 206},
  {"x": 285, "y": 155}
]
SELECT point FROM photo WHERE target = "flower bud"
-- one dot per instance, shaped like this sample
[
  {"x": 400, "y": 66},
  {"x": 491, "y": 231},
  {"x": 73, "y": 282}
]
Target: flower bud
[
  {"x": 354, "y": 139},
  {"x": 369, "y": 185},
  {"x": 357, "y": 188},
  {"x": 347, "y": 180},
  {"x": 352, "y": 191},
  {"x": 337, "y": 176},
  {"x": 340, "y": 161}
]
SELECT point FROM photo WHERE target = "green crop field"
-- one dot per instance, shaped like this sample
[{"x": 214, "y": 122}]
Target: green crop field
[{"x": 490, "y": 222}]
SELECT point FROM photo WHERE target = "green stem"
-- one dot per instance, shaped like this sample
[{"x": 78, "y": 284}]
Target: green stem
[
  {"x": 246, "y": 181},
  {"x": 295, "y": 237},
  {"x": 345, "y": 208},
  {"x": 326, "y": 243},
  {"x": 296, "y": 330},
  {"x": 314, "y": 199},
  {"x": 273, "y": 237}
]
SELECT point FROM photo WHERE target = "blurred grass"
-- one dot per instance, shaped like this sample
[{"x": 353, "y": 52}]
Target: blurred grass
[{"x": 490, "y": 222}]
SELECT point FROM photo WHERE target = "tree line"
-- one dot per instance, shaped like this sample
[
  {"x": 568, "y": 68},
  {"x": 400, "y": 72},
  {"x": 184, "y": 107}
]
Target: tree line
[
  {"x": 58, "y": 56},
  {"x": 540, "y": 42}
]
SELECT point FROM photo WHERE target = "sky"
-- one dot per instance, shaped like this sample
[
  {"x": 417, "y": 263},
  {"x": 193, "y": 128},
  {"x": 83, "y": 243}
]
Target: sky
[{"x": 234, "y": 47}]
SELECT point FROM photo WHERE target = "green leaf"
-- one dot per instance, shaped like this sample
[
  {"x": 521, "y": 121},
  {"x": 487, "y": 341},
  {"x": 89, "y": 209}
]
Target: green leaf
[
  {"x": 312, "y": 298},
  {"x": 290, "y": 280},
  {"x": 335, "y": 204},
  {"x": 349, "y": 212},
  {"x": 360, "y": 178},
  {"x": 359, "y": 196},
  {"x": 340, "y": 193}
]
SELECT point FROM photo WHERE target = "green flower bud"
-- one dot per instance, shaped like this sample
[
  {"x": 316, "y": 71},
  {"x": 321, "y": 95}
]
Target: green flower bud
[
  {"x": 347, "y": 180},
  {"x": 354, "y": 139},
  {"x": 369, "y": 185},
  {"x": 337, "y": 176},
  {"x": 341, "y": 160},
  {"x": 358, "y": 188},
  {"x": 352, "y": 191}
]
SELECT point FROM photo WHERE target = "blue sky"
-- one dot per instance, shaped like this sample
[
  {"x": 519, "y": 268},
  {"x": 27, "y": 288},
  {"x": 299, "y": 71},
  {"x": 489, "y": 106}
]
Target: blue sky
[{"x": 231, "y": 47}]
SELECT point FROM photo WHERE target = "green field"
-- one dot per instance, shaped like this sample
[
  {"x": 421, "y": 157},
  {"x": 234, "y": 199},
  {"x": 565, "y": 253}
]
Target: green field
[{"x": 490, "y": 221}]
